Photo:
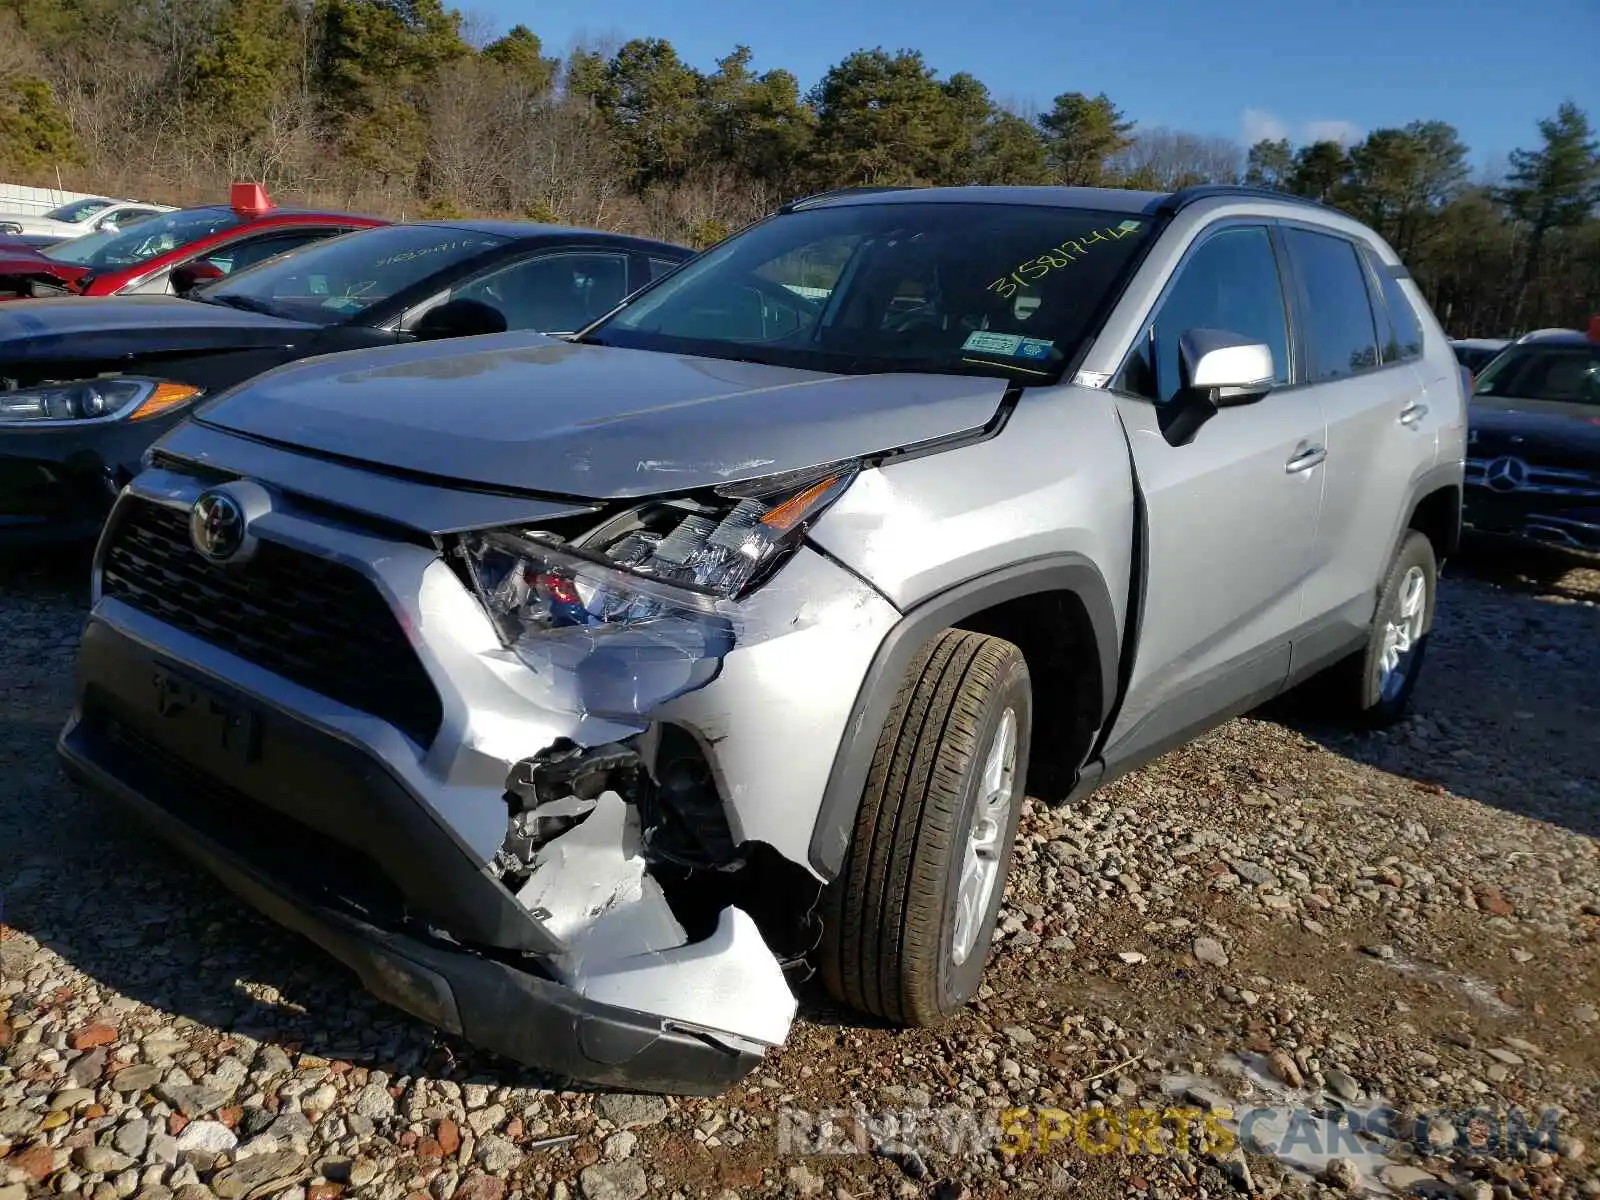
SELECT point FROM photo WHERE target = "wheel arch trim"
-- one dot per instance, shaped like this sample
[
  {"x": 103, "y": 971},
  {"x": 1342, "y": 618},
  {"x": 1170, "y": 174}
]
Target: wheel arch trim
[
  {"x": 1075, "y": 573},
  {"x": 1443, "y": 477}
]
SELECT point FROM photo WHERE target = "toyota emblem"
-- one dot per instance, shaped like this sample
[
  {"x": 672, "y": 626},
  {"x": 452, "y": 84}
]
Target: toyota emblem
[
  {"x": 217, "y": 526},
  {"x": 1506, "y": 474}
]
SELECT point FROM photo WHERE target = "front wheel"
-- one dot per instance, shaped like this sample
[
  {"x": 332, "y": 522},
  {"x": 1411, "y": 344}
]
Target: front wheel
[{"x": 908, "y": 922}]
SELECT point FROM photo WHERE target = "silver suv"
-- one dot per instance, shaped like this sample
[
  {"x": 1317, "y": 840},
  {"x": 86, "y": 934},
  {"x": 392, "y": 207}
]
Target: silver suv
[{"x": 584, "y": 694}]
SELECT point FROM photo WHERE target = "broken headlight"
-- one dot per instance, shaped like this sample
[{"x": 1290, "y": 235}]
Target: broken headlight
[{"x": 638, "y": 611}]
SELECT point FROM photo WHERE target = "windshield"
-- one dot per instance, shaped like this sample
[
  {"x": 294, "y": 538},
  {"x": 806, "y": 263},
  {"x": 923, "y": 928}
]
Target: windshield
[
  {"x": 343, "y": 278},
  {"x": 995, "y": 289},
  {"x": 1568, "y": 374},
  {"x": 110, "y": 249},
  {"x": 78, "y": 210},
  {"x": 1475, "y": 358}
]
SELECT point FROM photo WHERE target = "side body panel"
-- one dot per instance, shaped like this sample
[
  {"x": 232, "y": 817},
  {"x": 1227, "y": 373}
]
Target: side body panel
[
  {"x": 1053, "y": 480},
  {"x": 1230, "y": 535},
  {"x": 1382, "y": 445}
]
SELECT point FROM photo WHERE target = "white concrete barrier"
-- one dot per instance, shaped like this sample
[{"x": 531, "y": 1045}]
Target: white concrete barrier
[{"x": 34, "y": 201}]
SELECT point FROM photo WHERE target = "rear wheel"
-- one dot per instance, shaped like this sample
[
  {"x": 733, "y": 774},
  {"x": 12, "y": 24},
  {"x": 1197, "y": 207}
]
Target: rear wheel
[
  {"x": 908, "y": 921},
  {"x": 1375, "y": 684}
]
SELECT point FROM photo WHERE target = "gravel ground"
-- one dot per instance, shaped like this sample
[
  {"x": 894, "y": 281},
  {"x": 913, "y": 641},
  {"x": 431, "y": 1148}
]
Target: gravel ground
[{"x": 1280, "y": 914}]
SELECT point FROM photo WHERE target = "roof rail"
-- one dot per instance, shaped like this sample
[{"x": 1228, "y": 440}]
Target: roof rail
[
  {"x": 818, "y": 197},
  {"x": 1186, "y": 196}
]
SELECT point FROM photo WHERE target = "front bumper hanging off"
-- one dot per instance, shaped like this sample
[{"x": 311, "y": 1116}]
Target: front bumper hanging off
[
  {"x": 327, "y": 840},
  {"x": 526, "y": 1017}
]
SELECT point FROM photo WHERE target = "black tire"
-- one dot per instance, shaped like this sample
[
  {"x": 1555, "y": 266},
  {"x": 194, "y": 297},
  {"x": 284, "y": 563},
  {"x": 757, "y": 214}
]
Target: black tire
[
  {"x": 1359, "y": 683},
  {"x": 889, "y": 917}
]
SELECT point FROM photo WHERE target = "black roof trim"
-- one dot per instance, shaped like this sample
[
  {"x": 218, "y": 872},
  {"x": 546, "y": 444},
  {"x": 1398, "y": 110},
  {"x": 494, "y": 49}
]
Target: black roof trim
[
  {"x": 1183, "y": 197},
  {"x": 818, "y": 197}
]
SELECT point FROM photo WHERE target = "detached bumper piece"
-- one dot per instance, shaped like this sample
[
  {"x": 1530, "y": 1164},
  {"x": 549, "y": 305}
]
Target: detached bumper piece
[{"x": 528, "y": 1018}]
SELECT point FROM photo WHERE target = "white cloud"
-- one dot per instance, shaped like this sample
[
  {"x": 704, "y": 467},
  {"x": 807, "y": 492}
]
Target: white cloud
[{"x": 1257, "y": 124}]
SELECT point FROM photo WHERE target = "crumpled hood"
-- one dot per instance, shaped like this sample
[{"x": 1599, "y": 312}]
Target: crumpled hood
[
  {"x": 92, "y": 327},
  {"x": 525, "y": 412}
]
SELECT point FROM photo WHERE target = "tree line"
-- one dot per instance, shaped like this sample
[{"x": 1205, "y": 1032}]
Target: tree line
[{"x": 404, "y": 107}]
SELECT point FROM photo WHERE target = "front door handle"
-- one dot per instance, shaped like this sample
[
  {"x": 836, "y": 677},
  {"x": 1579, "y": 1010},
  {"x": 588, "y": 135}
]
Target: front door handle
[
  {"x": 1305, "y": 459},
  {"x": 1411, "y": 415}
]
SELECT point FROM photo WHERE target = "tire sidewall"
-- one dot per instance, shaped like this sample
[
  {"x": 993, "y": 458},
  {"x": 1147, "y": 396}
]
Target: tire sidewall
[
  {"x": 958, "y": 984},
  {"x": 1413, "y": 552}
]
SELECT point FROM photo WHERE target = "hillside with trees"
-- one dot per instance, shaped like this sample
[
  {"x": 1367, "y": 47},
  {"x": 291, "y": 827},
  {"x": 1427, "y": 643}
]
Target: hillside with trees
[{"x": 401, "y": 107}]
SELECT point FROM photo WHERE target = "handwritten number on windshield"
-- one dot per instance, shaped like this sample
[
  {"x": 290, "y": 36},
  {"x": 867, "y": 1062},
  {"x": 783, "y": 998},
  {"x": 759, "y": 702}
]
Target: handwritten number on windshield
[{"x": 1054, "y": 259}]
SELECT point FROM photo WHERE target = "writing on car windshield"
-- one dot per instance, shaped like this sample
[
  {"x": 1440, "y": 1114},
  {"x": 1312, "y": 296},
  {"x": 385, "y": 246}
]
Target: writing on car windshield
[
  {"x": 908, "y": 285},
  {"x": 343, "y": 278}
]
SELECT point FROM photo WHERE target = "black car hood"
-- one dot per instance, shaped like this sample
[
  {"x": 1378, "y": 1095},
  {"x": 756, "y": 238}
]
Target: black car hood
[
  {"x": 1538, "y": 430},
  {"x": 111, "y": 327},
  {"x": 525, "y": 412}
]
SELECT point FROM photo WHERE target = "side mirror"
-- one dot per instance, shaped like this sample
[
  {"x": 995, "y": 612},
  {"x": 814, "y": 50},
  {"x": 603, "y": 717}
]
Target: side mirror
[
  {"x": 1227, "y": 368},
  {"x": 191, "y": 275},
  {"x": 1216, "y": 369},
  {"x": 459, "y": 318}
]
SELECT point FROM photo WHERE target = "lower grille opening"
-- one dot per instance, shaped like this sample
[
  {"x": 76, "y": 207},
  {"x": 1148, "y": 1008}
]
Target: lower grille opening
[{"x": 317, "y": 867}]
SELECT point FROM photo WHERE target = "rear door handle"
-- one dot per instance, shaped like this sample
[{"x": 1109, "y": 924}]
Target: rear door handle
[
  {"x": 1305, "y": 459},
  {"x": 1413, "y": 413}
]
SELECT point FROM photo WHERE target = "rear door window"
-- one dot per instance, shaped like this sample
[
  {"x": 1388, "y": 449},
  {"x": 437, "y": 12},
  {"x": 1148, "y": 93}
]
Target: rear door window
[{"x": 1340, "y": 330}]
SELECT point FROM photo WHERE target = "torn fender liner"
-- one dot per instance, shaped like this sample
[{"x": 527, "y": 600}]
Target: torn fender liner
[{"x": 625, "y": 948}]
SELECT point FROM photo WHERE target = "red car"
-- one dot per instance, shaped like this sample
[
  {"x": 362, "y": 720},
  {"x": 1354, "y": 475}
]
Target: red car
[{"x": 170, "y": 253}]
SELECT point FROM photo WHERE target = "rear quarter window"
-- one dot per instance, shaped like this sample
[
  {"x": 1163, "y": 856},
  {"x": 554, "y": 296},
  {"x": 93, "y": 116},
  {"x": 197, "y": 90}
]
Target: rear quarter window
[{"x": 1404, "y": 340}]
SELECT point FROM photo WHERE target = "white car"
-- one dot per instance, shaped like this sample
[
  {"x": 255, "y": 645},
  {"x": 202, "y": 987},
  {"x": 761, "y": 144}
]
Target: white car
[{"x": 78, "y": 217}]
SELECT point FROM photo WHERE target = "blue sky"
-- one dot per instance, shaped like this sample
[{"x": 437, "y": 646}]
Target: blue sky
[{"x": 1241, "y": 68}]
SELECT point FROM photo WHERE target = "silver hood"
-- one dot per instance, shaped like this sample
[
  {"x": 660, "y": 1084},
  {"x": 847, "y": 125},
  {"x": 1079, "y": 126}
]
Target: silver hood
[{"x": 525, "y": 412}]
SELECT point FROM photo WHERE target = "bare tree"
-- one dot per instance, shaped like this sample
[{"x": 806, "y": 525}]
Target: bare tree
[{"x": 1163, "y": 159}]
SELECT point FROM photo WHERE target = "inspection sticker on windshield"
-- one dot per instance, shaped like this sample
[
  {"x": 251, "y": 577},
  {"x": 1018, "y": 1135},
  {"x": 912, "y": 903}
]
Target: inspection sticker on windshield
[
  {"x": 1009, "y": 344},
  {"x": 992, "y": 343}
]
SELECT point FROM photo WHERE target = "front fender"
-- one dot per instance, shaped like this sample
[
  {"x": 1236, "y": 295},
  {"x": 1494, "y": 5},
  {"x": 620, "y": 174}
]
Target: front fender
[{"x": 1074, "y": 573}]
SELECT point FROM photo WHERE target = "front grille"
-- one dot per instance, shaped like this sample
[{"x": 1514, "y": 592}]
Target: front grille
[
  {"x": 315, "y": 622},
  {"x": 1537, "y": 479}
]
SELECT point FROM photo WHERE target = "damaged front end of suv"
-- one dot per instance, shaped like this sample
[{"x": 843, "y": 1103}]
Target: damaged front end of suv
[
  {"x": 472, "y": 765},
  {"x": 623, "y": 850}
]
